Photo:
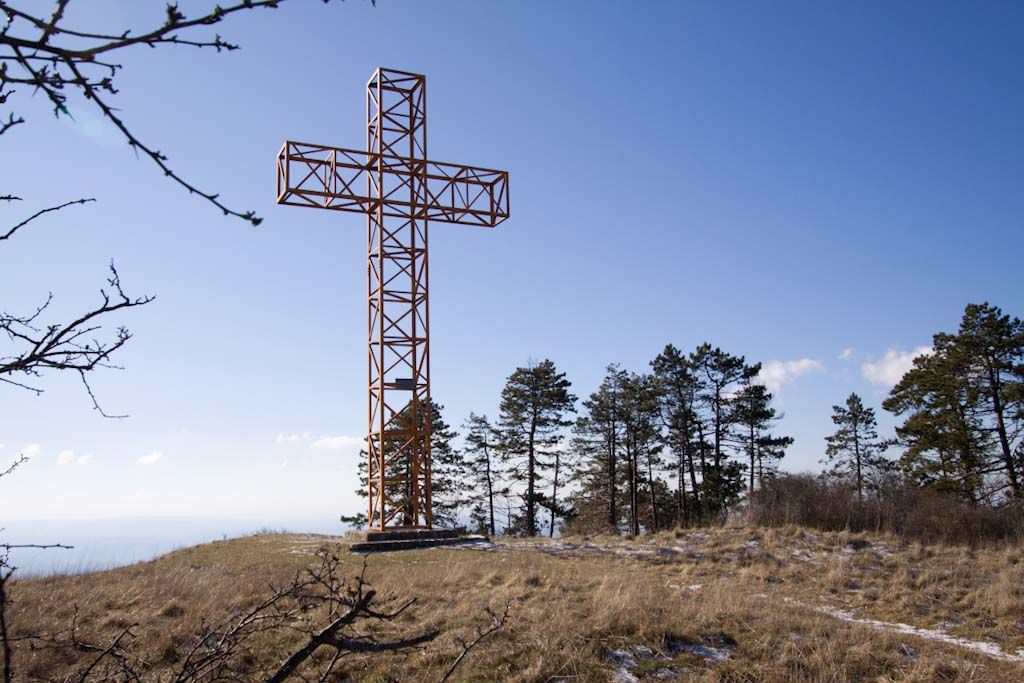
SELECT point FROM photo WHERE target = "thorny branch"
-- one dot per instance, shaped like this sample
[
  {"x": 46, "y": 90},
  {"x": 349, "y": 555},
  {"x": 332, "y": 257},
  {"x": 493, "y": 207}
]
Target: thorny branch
[
  {"x": 20, "y": 460},
  {"x": 62, "y": 59},
  {"x": 224, "y": 651},
  {"x": 497, "y": 623},
  {"x": 65, "y": 346},
  {"x": 39, "y": 213}
]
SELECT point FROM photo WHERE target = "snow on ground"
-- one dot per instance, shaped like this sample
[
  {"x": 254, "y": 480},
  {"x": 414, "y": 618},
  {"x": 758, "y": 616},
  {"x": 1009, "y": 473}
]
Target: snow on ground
[{"x": 987, "y": 649}]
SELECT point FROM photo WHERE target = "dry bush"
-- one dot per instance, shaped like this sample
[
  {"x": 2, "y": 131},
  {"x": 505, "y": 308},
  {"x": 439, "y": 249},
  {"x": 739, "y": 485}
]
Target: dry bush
[{"x": 895, "y": 508}]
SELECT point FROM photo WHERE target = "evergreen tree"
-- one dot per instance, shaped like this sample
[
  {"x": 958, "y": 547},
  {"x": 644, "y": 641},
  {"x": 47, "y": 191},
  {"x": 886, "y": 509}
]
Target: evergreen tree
[
  {"x": 640, "y": 415},
  {"x": 447, "y": 470},
  {"x": 597, "y": 440},
  {"x": 483, "y": 473},
  {"x": 679, "y": 386},
  {"x": 854, "y": 449},
  {"x": 995, "y": 344},
  {"x": 722, "y": 373},
  {"x": 942, "y": 433},
  {"x": 964, "y": 407},
  {"x": 753, "y": 415},
  {"x": 534, "y": 404}
]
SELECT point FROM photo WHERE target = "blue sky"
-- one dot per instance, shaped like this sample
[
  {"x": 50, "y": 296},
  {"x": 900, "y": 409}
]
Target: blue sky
[{"x": 817, "y": 186}]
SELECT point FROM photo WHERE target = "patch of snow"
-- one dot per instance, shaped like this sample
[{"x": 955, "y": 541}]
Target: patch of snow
[
  {"x": 988, "y": 649},
  {"x": 712, "y": 654},
  {"x": 692, "y": 587},
  {"x": 624, "y": 665}
]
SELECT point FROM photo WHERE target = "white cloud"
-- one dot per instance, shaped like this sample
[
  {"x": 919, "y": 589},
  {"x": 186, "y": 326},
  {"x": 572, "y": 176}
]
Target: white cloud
[
  {"x": 337, "y": 443},
  {"x": 150, "y": 458},
  {"x": 846, "y": 353},
  {"x": 778, "y": 372},
  {"x": 284, "y": 464},
  {"x": 67, "y": 457},
  {"x": 893, "y": 365},
  {"x": 293, "y": 438},
  {"x": 31, "y": 450}
]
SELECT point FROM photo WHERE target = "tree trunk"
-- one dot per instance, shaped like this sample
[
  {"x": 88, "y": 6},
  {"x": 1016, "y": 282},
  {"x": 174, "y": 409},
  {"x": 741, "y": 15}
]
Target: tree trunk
[
  {"x": 684, "y": 506},
  {"x": 554, "y": 497},
  {"x": 490, "y": 490},
  {"x": 531, "y": 467},
  {"x": 966, "y": 455},
  {"x": 750, "y": 493},
  {"x": 613, "y": 514},
  {"x": 634, "y": 523},
  {"x": 693, "y": 471},
  {"x": 1004, "y": 442},
  {"x": 856, "y": 457},
  {"x": 703, "y": 464},
  {"x": 650, "y": 487}
]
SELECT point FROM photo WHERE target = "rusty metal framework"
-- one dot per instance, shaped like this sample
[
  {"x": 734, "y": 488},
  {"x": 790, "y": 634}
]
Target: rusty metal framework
[{"x": 400, "y": 191}]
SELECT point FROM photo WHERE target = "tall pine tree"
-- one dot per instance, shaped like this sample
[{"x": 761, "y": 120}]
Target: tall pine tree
[
  {"x": 597, "y": 440},
  {"x": 484, "y": 479},
  {"x": 753, "y": 415},
  {"x": 722, "y": 373},
  {"x": 447, "y": 470},
  {"x": 679, "y": 386},
  {"x": 534, "y": 405},
  {"x": 995, "y": 344},
  {"x": 854, "y": 450}
]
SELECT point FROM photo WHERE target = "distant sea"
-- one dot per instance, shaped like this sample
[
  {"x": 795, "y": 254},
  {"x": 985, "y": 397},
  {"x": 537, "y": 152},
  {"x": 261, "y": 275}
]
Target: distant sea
[{"x": 107, "y": 543}]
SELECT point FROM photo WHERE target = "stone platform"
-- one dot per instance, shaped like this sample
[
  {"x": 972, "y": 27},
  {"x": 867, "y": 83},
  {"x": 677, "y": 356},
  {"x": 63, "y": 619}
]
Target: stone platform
[{"x": 408, "y": 539}]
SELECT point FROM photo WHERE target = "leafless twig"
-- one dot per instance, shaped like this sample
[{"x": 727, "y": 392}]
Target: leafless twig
[
  {"x": 39, "y": 213},
  {"x": 497, "y": 623},
  {"x": 62, "y": 59},
  {"x": 65, "y": 346}
]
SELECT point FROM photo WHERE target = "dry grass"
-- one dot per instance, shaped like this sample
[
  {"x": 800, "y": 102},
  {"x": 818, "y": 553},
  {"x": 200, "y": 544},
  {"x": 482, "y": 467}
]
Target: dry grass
[{"x": 739, "y": 591}]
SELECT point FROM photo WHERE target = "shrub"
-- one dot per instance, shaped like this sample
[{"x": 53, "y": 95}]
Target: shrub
[{"x": 892, "y": 506}]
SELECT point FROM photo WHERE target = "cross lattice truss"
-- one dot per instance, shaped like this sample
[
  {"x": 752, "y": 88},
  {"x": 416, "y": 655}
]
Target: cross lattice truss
[{"x": 400, "y": 191}]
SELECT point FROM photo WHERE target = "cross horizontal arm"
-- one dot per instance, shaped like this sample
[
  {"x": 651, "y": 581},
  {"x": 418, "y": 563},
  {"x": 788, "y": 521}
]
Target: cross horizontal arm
[{"x": 340, "y": 179}]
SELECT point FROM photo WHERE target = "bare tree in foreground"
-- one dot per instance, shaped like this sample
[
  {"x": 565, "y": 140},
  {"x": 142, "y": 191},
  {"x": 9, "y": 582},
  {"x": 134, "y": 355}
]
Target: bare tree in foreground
[
  {"x": 42, "y": 53},
  {"x": 336, "y": 619}
]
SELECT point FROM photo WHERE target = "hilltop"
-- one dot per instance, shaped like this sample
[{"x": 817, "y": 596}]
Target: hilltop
[{"x": 713, "y": 604}]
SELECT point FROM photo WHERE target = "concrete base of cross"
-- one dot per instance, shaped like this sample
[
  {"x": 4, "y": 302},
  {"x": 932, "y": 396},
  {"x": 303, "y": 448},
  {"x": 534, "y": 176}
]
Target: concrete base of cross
[{"x": 408, "y": 539}]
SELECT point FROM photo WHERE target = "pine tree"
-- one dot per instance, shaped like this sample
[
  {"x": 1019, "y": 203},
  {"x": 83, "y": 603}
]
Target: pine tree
[
  {"x": 679, "y": 386},
  {"x": 964, "y": 407},
  {"x": 722, "y": 373},
  {"x": 597, "y": 440},
  {"x": 640, "y": 415},
  {"x": 854, "y": 449},
  {"x": 945, "y": 444},
  {"x": 483, "y": 473},
  {"x": 753, "y": 415},
  {"x": 534, "y": 404},
  {"x": 447, "y": 470},
  {"x": 995, "y": 343}
]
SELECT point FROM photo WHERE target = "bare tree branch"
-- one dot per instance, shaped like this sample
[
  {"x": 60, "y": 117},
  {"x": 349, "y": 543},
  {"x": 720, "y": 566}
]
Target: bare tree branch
[
  {"x": 61, "y": 59},
  {"x": 20, "y": 460},
  {"x": 38, "y": 546},
  {"x": 497, "y": 623},
  {"x": 37, "y": 214},
  {"x": 65, "y": 346}
]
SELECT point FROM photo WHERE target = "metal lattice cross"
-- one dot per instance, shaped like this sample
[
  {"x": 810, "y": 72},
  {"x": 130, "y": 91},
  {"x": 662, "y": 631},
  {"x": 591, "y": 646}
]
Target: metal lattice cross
[{"x": 400, "y": 191}]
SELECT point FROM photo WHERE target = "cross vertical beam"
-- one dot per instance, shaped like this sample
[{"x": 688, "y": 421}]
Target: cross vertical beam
[
  {"x": 403, "y": 191},
  {"x": 398, "y": 435}
]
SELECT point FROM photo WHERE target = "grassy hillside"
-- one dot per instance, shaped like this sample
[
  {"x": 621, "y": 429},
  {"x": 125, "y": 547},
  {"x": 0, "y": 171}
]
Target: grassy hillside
[{"x": 731, "y": 604}]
